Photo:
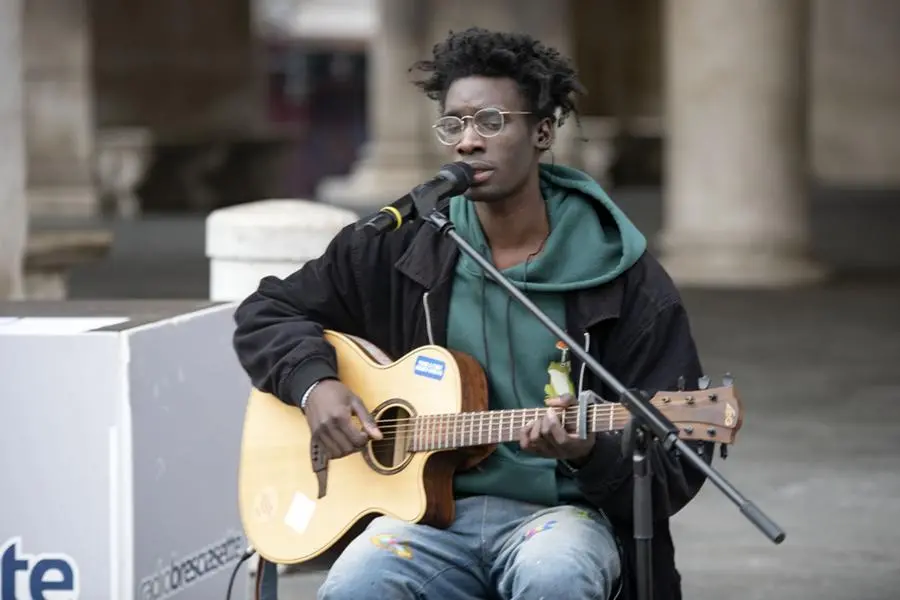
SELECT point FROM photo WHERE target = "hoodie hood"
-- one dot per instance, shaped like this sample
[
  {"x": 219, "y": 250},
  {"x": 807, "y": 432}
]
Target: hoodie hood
[{"x": 591, "y": 240}]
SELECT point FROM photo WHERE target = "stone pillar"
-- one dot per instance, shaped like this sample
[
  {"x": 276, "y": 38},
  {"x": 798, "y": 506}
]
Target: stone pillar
[
  {"x": 735, "y": 210},
  {"x": 393, "y": 161},
  {"x": 59, "y": 108},
  {"x": 13, "y": 211},
  {"x": 247, "y": 242},
  {"x": 855, "y": 86}
]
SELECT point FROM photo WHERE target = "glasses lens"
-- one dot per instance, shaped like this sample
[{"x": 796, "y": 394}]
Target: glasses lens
[
  {"x": 488, "y": 122},
  {"x": 449, "y": 129}
]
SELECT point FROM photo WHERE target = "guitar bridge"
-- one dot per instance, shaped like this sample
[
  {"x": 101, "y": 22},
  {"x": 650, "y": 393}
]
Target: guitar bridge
[{"x": 320, "y": 466}]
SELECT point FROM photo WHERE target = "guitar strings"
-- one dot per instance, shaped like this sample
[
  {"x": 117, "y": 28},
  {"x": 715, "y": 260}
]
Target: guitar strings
[
  {"x": 477, "y": 420},
  {"x": 392, "y": 434},
  {"x": 453, "y": 424},
  {"x": 469, "y": 419},
  {"x": 425, "y": 438},
  {"x": 445, "y": 435},
  {"x": 413, "y": 424}
]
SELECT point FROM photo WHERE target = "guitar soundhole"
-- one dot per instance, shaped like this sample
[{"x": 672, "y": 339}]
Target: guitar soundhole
[{"x": 391, "y": 454}]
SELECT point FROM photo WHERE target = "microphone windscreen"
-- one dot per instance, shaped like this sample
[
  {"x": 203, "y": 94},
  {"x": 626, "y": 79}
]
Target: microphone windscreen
[{"x": 460, "y": 173}]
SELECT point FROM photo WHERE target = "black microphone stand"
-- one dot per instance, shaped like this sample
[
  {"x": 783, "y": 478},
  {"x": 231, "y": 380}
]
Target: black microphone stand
[{"x": 647, "y": 423}]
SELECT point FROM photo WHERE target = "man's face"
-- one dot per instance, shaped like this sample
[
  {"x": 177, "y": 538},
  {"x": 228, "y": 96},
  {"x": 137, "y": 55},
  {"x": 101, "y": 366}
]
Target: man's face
[{"x": 504, "y": 154}]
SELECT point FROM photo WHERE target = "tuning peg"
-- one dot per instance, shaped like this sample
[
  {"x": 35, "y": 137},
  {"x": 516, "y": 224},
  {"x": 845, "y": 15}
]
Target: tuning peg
[
  {"x": 681, "y": 383},
  {"x": 723, "y": 451},
  {"x": 703, "y": 383},
  {"x": 728, "y": 380}
]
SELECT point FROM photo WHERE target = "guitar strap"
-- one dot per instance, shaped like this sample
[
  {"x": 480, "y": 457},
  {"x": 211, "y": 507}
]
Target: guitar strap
[{"x": 319, "y": 465}]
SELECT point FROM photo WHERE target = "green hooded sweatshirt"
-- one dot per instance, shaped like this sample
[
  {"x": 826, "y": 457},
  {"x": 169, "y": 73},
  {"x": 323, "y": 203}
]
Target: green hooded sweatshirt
[{"x": 591, "y": 242}]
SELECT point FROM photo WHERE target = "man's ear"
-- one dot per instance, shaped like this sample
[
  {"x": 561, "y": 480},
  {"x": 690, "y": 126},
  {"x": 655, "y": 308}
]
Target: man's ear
[{"x": 544, "y": 135}]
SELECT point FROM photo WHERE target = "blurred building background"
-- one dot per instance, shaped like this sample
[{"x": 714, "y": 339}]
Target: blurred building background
[
  {"x": 748, "y": 138},
  {"x": 755, "y": 142}
]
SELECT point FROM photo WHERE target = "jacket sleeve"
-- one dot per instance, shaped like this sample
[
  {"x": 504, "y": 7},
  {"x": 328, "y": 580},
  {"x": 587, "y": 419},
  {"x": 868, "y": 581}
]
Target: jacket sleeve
[
  {"x": 279, "y": 335},
  {"x": 653, "y": 362}
]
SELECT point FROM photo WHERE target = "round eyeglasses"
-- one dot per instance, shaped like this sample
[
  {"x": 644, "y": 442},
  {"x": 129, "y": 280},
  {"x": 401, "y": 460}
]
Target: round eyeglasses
[{"x": 488, "y": 122}]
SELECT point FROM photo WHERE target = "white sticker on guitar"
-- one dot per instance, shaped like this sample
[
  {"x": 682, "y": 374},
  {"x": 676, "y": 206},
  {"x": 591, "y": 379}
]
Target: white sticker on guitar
[
  {"x": 299, "y": 513},
  {"x": 430, "y": 367}
]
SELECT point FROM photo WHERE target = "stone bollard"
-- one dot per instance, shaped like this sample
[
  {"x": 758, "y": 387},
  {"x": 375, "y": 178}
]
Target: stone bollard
[{"x": 247, "y": 242}]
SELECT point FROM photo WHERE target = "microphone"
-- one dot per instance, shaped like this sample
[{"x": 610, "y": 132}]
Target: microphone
[{"x": 452, "y": 180}]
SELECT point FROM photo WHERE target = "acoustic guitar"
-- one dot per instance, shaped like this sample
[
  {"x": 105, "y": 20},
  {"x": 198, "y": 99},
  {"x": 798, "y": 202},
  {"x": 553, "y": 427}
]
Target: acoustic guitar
[{"x": 432, "y": 409}]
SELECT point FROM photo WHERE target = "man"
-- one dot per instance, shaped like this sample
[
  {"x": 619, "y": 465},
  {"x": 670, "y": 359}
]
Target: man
[{"x": 550, "y": 516}]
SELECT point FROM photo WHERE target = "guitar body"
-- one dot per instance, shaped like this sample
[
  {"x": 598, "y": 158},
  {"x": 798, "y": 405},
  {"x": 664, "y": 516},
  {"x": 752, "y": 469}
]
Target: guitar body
[
  {"x": 296, "y": 507},
  {"x": 283, "y": 516}
]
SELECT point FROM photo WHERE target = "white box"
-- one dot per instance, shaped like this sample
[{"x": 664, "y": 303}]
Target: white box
[{"x": 121, "y": 430}]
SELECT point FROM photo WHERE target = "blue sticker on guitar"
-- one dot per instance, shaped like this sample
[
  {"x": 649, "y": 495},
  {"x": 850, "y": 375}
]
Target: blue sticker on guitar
[{"x": 430, "y": 367}]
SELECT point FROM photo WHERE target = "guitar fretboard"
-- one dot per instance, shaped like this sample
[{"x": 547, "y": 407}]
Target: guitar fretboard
[{"x": 449, "y": 431}]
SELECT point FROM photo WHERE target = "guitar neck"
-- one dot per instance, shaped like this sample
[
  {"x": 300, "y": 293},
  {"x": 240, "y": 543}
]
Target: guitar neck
[{"x": 450, "y": 431}]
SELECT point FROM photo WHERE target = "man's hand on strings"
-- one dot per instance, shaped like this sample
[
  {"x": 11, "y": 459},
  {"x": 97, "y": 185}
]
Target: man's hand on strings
[
  {"x": 546, "y": 436},
  {"x": 329, "y": 412}
]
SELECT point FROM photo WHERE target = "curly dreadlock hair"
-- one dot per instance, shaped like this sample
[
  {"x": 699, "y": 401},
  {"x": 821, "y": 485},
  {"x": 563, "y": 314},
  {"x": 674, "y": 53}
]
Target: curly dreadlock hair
[{"x": 546, "y": 78}]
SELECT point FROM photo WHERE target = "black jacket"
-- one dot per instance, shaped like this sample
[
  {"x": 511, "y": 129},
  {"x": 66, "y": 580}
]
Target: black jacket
[{"x": 394, "y": 290}]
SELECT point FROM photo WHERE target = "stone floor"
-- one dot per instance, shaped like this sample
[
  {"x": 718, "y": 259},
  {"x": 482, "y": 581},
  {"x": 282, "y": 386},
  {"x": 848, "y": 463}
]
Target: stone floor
[{"x": 817, "y": 372}]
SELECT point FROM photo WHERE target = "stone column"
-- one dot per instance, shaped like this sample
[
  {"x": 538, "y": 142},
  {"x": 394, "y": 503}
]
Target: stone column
[
  {"x": 855, "y": 84},
  {"x": 735, "y": 210},
  {"x": 59, "y": 108},
  {"x": 13, "y": 212},
  {"x": 393, "y": 161}
]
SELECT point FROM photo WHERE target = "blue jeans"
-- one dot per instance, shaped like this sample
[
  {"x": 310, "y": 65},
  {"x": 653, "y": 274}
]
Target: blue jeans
[{"x": 496, "y": 548}]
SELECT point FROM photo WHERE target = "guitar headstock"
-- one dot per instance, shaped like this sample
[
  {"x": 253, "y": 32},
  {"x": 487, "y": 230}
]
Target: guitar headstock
[{"x": 704, "y": 415}]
